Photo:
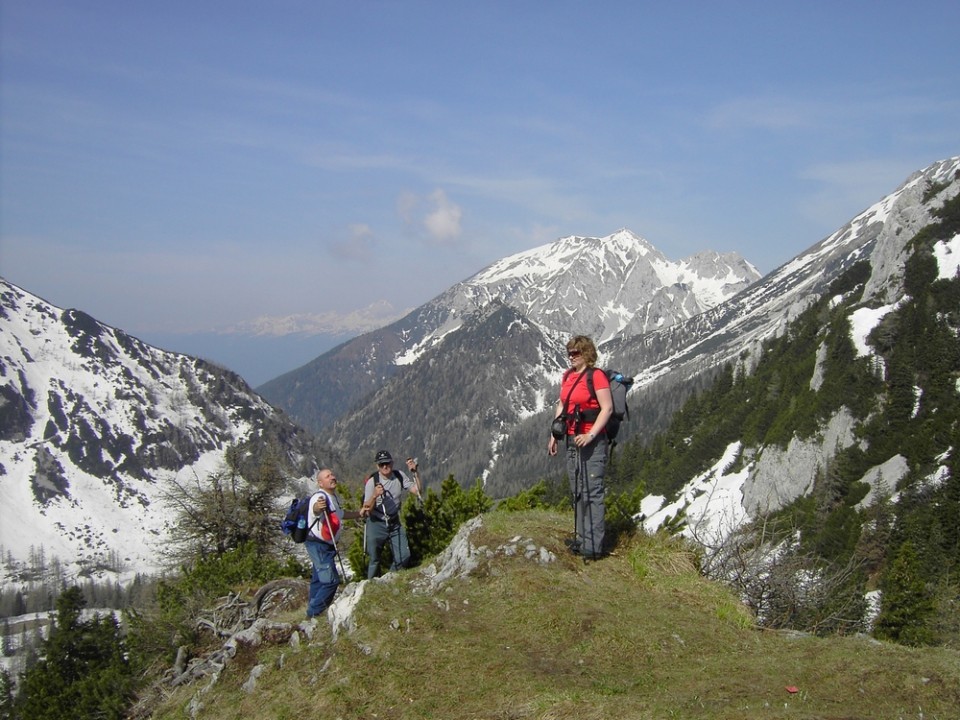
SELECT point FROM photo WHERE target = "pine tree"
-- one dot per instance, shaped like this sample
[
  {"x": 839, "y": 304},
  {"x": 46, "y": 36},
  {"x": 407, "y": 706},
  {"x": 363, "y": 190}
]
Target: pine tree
[
  {"x": 907, "y": 606},
  {"x": 8, "y": 649},
  {"x": 84, "y": 671},
  {"x": 6, "y": 696},
  {"x": 232, "y": 507}
]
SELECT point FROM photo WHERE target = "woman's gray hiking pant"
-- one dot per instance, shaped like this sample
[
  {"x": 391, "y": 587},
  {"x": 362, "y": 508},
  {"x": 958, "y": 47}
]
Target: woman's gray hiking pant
[{"x": 586, "y": 467}]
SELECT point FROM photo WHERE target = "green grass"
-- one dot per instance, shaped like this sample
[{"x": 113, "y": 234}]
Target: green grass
[{"x": 637, "y": 635}]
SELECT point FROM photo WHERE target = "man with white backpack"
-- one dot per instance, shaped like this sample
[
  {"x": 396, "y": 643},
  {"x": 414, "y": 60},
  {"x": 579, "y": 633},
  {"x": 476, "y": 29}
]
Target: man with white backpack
[{"x": 326, "y": 515}]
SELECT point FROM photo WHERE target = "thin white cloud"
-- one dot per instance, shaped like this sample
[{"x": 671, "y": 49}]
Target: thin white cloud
[
  {"x": 330, "y": 159},
  {"x": 434, "y": 218},
  {"x": 443, "y": 221},
  {"x": 542, "y": 195},
  {"x": 407, "y": 203},
  {"x": 836, "y": 110}
]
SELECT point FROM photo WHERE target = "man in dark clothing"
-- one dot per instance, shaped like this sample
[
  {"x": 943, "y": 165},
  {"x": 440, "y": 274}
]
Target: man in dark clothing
[{"x": 381, "y": 505}]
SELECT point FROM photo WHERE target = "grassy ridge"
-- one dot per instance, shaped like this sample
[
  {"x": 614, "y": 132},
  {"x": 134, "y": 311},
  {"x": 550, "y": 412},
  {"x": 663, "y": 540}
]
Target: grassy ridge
[{"x": 637, "y": 635}]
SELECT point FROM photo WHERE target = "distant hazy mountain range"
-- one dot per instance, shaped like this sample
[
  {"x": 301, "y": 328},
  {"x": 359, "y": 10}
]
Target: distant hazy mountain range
[{"x": 268, "y": 346}]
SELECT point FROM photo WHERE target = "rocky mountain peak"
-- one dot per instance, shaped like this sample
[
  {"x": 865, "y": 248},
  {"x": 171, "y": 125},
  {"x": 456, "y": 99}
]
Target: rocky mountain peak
[{"x": 606, "y": 286}]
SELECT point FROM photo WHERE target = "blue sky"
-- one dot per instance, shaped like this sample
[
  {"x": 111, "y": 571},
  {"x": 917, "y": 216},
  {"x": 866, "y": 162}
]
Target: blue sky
[{"x": 183, "y": 167}]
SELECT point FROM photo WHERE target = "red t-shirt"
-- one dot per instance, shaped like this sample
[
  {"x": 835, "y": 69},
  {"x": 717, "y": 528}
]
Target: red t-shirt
[{"x": 581, "y": 396}]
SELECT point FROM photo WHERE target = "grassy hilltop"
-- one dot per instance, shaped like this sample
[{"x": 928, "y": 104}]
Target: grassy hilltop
[{"x": 527, "y": 634}]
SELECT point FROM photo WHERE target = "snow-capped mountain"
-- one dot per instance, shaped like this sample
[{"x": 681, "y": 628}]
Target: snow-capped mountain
[
  {"x": 610, "y": 287},
  {"x": 603, "y": 287},
  {"x": 95, "y": 424}
]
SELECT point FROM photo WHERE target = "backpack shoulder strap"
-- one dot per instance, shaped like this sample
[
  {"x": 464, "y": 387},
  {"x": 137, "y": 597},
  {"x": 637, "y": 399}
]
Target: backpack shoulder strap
[
  {"x": 566, "y": 401},
  {"x": 593, "y": 393},
  {"x": 309, "y": 509}
]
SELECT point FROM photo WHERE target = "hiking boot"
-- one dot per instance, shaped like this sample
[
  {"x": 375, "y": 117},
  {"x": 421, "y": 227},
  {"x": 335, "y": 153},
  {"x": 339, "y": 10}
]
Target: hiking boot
[{"x": 573, "y": 545}]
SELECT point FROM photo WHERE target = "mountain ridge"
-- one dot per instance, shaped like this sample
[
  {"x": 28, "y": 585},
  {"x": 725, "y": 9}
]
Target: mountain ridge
[
  {"x": 96, "y": 423},
  {"x": 762, "y": 311}
]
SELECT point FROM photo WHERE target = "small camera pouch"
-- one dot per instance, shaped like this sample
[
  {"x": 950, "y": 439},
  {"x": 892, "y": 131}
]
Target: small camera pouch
[{"x": 558, "y": 428}]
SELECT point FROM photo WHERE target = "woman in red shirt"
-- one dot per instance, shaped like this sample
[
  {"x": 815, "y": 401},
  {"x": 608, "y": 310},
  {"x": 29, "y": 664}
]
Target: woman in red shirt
[{"x": 585, "y": 416}]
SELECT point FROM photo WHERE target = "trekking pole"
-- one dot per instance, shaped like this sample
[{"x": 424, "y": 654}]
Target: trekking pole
[
  {"x": 416, "y": 477},
  {"x": 576, "y": 510},
  {"x": 588, "y": 500},
  {"x": 333, "y": 539}
]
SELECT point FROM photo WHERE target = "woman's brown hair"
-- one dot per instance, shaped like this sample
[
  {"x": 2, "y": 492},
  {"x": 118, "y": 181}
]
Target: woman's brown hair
[{"x": 588, "y": 351}]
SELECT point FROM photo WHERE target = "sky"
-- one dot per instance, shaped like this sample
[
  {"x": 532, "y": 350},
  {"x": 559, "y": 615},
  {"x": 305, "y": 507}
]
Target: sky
[{"x": 221, "y": 169}]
